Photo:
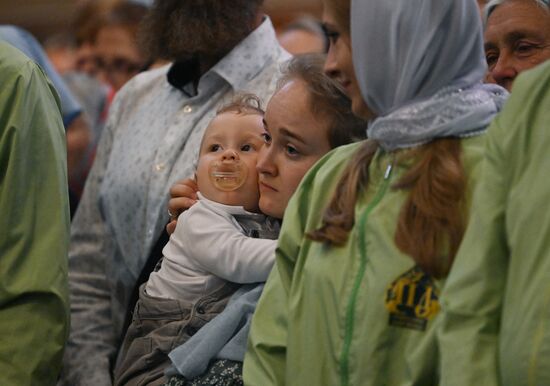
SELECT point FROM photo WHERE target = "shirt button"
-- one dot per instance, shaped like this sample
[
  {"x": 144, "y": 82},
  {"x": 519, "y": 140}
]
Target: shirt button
[
  {"x": 159, "y": 167},
  {"x": 187, "y": 109}
]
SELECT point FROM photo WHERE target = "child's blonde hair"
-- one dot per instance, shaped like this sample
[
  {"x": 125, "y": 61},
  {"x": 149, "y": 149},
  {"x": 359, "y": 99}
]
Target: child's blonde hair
[{"x": 242, "y": 103}]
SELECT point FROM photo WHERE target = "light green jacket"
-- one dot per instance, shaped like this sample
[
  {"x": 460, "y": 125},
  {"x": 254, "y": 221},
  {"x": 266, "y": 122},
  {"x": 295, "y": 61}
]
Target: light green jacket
[
  {"x": 496, "y": 326},
  {"x": 34, "y": 225},
  {"x": 359, "y": 314}
]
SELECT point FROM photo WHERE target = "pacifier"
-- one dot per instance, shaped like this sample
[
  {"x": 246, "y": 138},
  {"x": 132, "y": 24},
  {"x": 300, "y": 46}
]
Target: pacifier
[{"x": 227, "y": 175}]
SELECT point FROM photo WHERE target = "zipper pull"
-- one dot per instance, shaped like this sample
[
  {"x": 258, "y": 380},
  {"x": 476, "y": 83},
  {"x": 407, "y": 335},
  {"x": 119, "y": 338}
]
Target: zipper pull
[{"x": 388, "y": 171}]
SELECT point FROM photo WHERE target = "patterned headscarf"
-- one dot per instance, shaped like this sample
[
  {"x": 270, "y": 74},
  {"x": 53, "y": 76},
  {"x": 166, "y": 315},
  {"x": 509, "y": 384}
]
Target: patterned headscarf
[{"x": 419, "y": 64}]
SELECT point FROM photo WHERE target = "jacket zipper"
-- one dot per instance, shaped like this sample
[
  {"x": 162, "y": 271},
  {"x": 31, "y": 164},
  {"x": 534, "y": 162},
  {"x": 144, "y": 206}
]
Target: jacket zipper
[{"x": 350, "y": 310}]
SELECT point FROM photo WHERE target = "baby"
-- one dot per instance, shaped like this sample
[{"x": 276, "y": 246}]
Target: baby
[{"x": 210, "y": 250}]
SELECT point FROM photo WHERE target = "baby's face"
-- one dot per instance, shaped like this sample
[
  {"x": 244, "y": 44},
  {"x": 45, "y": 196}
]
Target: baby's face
[{"x": 226, "y": 172}]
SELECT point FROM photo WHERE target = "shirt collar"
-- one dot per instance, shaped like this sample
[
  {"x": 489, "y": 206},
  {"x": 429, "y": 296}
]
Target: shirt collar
[
  {"x": 181, "y": 74},
  {"x": 239, "y": 66}
]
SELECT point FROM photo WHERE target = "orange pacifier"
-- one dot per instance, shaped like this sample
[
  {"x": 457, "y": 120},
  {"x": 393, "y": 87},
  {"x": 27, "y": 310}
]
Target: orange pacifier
[{"x": 227, "y": 175}]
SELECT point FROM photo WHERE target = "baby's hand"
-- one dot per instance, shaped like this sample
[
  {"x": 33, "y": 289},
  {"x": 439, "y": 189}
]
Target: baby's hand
[{"x": 184, "y": 195}]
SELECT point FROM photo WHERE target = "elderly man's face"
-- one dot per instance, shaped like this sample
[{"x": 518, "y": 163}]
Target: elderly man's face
[{"x": 517, "y": 38}]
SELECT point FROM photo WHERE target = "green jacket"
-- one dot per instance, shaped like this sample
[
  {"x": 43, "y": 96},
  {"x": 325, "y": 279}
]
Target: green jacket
[
  {"x": 34, "y": 225},
  {"x": 359, "y": 314},
  {"x": 496, "y": 326}
]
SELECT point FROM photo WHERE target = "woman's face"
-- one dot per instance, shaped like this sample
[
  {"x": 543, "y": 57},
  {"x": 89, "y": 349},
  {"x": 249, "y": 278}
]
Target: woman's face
[
  {"x": 294, "y": 140},
  {"x": 118, "y": 57},
  {"x": 339, "y": 63}
]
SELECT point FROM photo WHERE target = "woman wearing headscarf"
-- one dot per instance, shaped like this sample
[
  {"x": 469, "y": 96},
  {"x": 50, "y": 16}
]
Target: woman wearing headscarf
[{"x": 370, "y": 235}]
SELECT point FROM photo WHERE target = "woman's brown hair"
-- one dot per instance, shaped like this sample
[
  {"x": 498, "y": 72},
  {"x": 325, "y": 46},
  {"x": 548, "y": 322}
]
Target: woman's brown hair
[
  {"x": 432, "y": 217},
  {"x": 327, "y": 98}
]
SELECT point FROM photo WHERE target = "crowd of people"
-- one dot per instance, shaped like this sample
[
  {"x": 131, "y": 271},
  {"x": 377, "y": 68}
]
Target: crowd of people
[{"x": 354, "y": 201}]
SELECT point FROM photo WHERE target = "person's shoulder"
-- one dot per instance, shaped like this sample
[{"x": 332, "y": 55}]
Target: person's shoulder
[
  {"x": 532, "y": 83},
  {"x": 336, "y": 159},
  {"x": 329, "y": 168},
  {"x": 265, "y": 58},
  {"x": 152, "y": 76},
  {"x": 145, "y": 83},
  {"x": 474, "y": 146},
  {"x": 20, "y": 74},
  {"x": 473, "y": 153},
  {"x": 523, "y": 122},
  {"x": 529, "y": 90},
  {"x": 207, "y": 208},
  {"x": 19, "y": 38},
  {"x": 344, "y": 151},
  {"x": 202, "y": 215},
  {"x": 526, "y": 110},
  {"x": 215, "y": 210},
  {"x": 318, "y": 185},
  {"x": 142, "y": 90},
  {"x": 264, "y": 44},
  {"x": 14, "y": 62}
]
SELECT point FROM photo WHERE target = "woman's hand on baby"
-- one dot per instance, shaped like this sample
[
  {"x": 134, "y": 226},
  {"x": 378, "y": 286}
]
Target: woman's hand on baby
[{"x": 183, "y": 195}]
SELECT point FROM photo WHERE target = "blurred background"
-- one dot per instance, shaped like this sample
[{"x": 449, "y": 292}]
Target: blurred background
[
  {"x": 44, "y": 18},
  {"x": 90, "y": 49}
]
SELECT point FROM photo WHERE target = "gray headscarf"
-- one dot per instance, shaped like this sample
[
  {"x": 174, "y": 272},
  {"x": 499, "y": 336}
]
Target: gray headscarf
[{"x": 419, "y": 64}]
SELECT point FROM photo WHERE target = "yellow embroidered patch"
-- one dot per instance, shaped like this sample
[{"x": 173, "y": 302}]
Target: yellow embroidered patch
[{"x": 412, "y": 300}]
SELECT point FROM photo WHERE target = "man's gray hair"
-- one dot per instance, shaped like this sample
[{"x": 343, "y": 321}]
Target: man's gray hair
[{"x": 492, "y": 4}]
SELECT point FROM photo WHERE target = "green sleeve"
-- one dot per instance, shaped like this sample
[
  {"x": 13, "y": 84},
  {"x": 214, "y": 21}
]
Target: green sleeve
[
  {"x": 34, "y": 225},
  {"x": 472, "y": 297},
  {"x": 265, "y": 359}
]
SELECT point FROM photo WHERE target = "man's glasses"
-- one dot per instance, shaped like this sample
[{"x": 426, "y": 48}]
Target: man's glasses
[{"x": 119, "y": 65}]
